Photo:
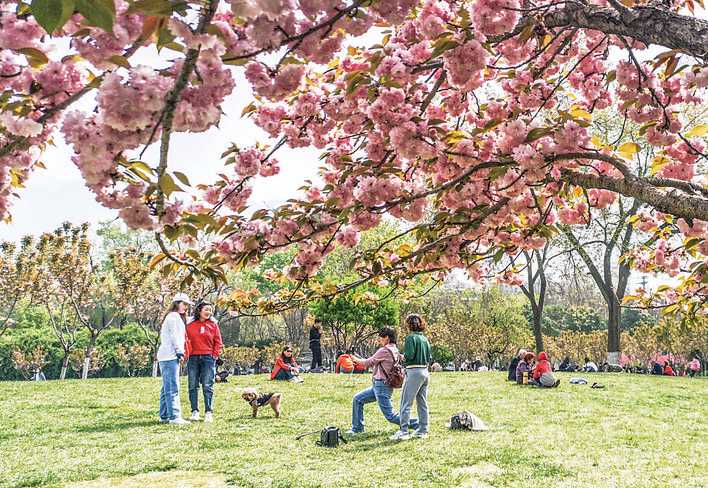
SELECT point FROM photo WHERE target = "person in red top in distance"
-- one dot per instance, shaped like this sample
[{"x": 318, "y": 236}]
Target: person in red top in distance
[
  {"x": 285, "y": 367},
  {"x": 203, "y": 348},
  {"x": 543, "y": 372},
  {"x": 668, "y": 369}
]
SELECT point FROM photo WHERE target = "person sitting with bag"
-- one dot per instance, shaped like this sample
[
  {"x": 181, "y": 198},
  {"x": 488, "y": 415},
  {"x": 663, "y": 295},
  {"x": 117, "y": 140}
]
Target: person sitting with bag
[{"x": 387, "y": 375}]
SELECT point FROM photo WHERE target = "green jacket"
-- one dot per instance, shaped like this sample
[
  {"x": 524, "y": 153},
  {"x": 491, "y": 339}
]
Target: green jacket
[{"x": 416, "y": 350}]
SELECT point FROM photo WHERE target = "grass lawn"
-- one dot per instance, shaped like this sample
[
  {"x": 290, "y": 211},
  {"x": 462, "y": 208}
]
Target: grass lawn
[{"x": 640, "y": 431}]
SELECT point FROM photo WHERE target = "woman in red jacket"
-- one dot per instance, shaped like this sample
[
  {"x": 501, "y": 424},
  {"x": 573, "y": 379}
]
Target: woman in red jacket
[
  {"x": 668, "y": 369},
  {"x": 204, "y": 347},
  {"x": 286, "y": 368},
  {"x": 543, "y": 372}
]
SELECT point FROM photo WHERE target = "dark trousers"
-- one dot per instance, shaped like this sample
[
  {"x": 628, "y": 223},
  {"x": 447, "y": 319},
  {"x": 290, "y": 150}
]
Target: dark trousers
[
  {"x": 201, "y": 369},
  {"x": 283, "y": 375},
  {"x": 316, "y": 349}
]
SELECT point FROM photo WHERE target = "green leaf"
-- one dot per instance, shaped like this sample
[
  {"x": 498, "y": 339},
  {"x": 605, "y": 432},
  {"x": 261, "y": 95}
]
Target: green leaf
[
  {"x": 52, "y": 14},
  {"x": 120, "y": 61},
  {"x": 142, "y": 170},
  {"x": 182, "y": 178},
  {"x": 168, "y": 185},
  {"x": 35, "y": 57},
  {"x": 441, "y": 45},
  {"x": 98, "y": 13},
  {"x": 697, "y": 131},
  {"x": 162, "y": 8},
  {"x": 537, "y": 133},
  {"x": 497, "y": 172}
]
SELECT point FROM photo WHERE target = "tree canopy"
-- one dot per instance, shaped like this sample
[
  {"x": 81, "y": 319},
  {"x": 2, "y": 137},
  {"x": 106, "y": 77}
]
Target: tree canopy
[{"x": 472, "y": 120}]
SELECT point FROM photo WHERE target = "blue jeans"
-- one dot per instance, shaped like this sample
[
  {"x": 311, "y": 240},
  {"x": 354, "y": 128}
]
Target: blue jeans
[
  {"x": 201, "y": 369},
  {"x": 380, "y": 392},
  {"x": 169, "y": 394},
  {"x": 415, "y": 388}
]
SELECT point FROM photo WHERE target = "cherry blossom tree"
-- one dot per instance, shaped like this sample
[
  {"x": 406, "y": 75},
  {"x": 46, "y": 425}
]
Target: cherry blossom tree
[{"x": 469, "y": 119}]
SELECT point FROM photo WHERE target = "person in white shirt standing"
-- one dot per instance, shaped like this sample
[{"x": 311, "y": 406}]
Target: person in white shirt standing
[{"x": 170, "y": 356}]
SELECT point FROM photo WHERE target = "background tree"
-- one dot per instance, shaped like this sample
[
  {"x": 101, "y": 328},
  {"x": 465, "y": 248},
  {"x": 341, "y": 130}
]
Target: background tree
[
  {"x": 132, "y": 358},
  {"x": 19, "y": 268},
  {"x": 615, "y": 241},
  {"x": 243, "y": 357},
  {"x": 86, "y": 365},
  {"x": 485, "y": 324},
  {"x": 91, "y": 290},
  {"x": 27, "y": 363},
  {"x": 353, "y": 318}
]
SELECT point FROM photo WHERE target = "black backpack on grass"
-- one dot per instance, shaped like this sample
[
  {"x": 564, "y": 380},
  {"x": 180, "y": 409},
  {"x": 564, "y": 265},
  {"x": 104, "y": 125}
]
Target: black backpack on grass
[{"x": 330, "y": 437}]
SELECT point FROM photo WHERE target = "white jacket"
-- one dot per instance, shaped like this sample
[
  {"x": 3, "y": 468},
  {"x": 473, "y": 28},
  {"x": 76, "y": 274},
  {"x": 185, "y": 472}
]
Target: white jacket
[{"x": 172, "y": 337}]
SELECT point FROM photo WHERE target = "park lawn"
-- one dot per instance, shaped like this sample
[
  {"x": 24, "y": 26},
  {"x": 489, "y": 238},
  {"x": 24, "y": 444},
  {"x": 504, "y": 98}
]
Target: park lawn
[{"x": 640, "y": 431}]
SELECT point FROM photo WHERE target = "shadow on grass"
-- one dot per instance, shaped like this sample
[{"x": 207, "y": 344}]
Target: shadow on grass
[{"x": 116, "y": 426}]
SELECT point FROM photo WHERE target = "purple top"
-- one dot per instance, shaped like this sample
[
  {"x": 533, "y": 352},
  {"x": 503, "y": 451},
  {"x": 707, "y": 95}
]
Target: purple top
[
  {"x": 523, "y": 366},
  {"x": 381, "y": 359}
]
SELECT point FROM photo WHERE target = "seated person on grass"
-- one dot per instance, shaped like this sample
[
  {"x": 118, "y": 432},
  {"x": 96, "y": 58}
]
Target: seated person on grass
[
  {"x": 567, "y": 365},
  {"x": 590, "y": 367},
  {"x": 694, "y": 367},
  {"x": 514, "y": 363},
  {"x": 542, "y": 372},
  {"x": 524, "y": 366},
  {"x": 345, "y": 363},
  {"x": 668, "y": 369},
  {"x": 286, "y": 369}
]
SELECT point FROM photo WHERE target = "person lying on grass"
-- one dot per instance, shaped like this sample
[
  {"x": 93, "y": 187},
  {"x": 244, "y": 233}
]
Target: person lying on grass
[
  {"x": 382, "y": 361},
  {"x": 543, "y": 373},
  {"x": 286, "y": 369}
]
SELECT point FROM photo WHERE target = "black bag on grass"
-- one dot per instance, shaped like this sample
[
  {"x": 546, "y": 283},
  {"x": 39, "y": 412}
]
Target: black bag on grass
[{"x": 330, "y": 437}]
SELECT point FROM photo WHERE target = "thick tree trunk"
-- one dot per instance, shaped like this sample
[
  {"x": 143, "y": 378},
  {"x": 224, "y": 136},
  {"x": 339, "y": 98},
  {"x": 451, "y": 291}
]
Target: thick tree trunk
[
  {"x": 537, "y": 333},
  {"x": 671, "y": 202},
  {"x": 650, "y": 25},
  {"x": 614, "y": 315}
]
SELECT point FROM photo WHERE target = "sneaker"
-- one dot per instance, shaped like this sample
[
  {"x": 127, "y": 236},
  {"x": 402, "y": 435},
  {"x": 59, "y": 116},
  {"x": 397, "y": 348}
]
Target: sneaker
[
  {"x": 163, "y": 421},
  {"x": 400, "y": 436},
  {"x": 558, "y": 382},
  {"x": 420, "y": 435},
  {"x": 208, "y": 417},
  {"x": 178, "y": 421},
  {"x": 353, "y": 432},
  {"x": 195, "y": 416}
]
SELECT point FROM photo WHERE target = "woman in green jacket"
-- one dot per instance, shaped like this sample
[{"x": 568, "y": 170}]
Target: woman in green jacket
[{"x": 417, "y": 356}]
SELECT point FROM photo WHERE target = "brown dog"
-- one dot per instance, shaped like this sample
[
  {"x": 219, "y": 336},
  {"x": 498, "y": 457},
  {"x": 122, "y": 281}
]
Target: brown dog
[{"x": 257, "y": 401}]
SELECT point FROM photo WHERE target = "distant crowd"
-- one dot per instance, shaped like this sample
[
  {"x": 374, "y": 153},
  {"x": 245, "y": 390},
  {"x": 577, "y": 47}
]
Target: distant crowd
[{"x": 525, "y": 361}]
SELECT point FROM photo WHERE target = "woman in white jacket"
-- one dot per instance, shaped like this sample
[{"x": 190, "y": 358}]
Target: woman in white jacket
[{"x": 171, "y": 355}]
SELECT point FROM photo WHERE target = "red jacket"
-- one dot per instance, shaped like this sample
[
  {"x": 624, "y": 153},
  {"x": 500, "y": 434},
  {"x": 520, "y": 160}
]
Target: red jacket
[
  {"x": 280, "y": 364},
  {"x": 344, "y": 362},
  {"x": 542, "y": 366},
  {"x": 668, "y": 371},
  {"x": 203, "y": 338}
]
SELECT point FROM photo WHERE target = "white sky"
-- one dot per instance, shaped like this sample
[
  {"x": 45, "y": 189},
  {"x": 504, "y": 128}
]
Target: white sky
[{"x": 58, "y": 194}]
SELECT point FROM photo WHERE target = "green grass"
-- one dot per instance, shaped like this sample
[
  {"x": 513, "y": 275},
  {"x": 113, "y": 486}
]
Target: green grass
[{"x": 640, "y": 431}]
